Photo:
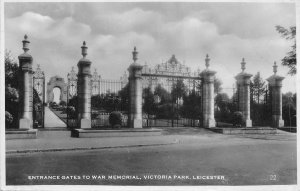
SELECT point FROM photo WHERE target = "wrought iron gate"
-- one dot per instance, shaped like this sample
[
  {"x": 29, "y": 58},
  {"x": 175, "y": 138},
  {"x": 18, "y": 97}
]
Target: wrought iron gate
[
  {"x": 106, "y": 96},
  {"x": 174, "y": 104},
  {"x": 38, "y": 100}
]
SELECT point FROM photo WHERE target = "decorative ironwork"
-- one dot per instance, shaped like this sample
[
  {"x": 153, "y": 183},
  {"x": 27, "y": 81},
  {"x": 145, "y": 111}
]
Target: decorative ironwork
[
  {"x": 175, "y": 111},
  {"x": 166, "y": 73},
  {"x": 39, "y": 79},
  {"x": 72, "y": 83},
  {"x": 95, "y": 82},
  {"x": 39, "y": 101}
]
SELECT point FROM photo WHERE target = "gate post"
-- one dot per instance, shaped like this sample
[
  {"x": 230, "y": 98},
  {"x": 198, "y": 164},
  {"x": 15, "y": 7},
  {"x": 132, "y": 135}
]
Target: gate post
[
  {"x": 84, "y": 90},
  {"x": 208, "y": 77},
  {"x": 135, "y": 93},
  {"x": 25, "y": 87},
  {"x": 275, "y": 84},
  {"x": 243, "y": 82}
]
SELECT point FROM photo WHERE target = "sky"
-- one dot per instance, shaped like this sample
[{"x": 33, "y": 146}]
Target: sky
[{"x": 227, "y": 32}]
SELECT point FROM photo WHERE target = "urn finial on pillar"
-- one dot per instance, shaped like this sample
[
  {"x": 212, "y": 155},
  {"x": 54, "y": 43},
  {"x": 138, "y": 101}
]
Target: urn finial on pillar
[
  {"x": 243, "y": 64},
  {"x": 134, "y": 55},
  {"x": 84, "y": 49},
  {"x": 275, "y": 68},
  {"x": 207, "y": 59},
  {"x": 25, "y": 44}
]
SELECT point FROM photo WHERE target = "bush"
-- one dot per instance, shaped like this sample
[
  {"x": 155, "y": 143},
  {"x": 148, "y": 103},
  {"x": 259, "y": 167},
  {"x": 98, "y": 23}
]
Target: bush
[
  {"x": 71, "y": 112},
  {"x": 94, "y": 115},
  {"x": 115, "y": 119},
  {"x": 12, "y": 105},
  {"x": 237, "y": 119},
  {"x": 8, "y": 119},
  {"x": 167, "y": 111},
  {"x": 62, "y": 103}
]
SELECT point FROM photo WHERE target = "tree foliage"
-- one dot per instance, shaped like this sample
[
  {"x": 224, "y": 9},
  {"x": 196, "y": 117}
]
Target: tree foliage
[
  {"x": 178, "y": 90},
  {"x": 124, "y": 96},
  {"x": 224, "y": 108},
  {"x": 11, "y": 70},
  {"x": 217, "y": 85},
  {"x": 289, "y": 109},
  {"x": 290, "y": 59},
  {"x": 258, "y": 87},
  {"x": 149, "y": 105},
  {"x": 11, "y": 85},
  {"x": 191, "y": 107},
  {"x": 163, "y": 94}
]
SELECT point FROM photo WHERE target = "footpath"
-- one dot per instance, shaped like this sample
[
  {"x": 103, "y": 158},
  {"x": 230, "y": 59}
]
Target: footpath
[
  {"x": 60, "y": 140},
  {"x": 52, "y": 121}
]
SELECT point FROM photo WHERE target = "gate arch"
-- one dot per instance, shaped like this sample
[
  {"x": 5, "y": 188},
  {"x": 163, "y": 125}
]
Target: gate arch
[{"x": 57, "y": 82}]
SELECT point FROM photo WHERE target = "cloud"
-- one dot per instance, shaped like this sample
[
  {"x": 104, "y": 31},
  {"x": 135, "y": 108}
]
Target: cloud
[
  {"x": 136, "y": 19},
  {"x": 226, "y": 33}
]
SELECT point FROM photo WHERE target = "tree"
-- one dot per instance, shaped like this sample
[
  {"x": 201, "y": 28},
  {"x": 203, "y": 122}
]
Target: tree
[
  {"x": 178, "y": 90},
  {"x": 191, "y": 107},
  {"x": 149, "y": 103},
  {"x": 163, "y": 94},
  {"x": 12, "y": 104},
  {"x": 224, "y": 108},
  {"x": 11, "y": 70},
  {"x": 258, "y": 87},
  {"x": 124, "y": 96},
  {"x": 11, "y": 85},
  {"x": 290, "y": 59},
  {"x": 217, "y": 85},
  {"x": 73, "y": 102},
  {"x": 289, "y": 109}
]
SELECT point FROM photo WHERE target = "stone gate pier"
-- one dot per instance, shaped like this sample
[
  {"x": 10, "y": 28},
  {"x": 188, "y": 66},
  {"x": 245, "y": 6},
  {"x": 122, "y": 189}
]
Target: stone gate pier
[
  {"x": 25, "y": 78},
  {"x": 243, "y": 88},
  {"x": 25, "y": 87},
  {"x": 208, "y": 77},
  {"x": 135, "y": 119},
  {"x": 275, "y": 84},
  {"x": 84, "y": 90}
]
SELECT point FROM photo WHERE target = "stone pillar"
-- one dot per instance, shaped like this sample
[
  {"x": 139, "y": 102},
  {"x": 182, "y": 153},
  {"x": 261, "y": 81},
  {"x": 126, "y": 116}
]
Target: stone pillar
[
  {"x": 135, "y": 119},
  {"x": 84, "y": 90},
  {"x": 208, "y": 77},
  {"x": 25, "y": 87},
  {"x": 275, "y": 84},
  {"x": 243, "y": 83}
]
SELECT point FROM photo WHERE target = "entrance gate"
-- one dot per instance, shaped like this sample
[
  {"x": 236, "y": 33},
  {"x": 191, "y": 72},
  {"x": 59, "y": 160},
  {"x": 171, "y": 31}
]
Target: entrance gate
[
  {"x": 106, "y": 96},
  {"x": 181, "y": 106},
  {"x": 38, "y": 98},
  {"x": 171, "y": 95}
]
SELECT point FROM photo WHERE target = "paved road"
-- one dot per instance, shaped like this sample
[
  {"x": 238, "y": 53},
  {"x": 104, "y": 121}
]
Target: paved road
[
  {"x": 52, "y": 121},
  {"x": 263, "y": 159}
]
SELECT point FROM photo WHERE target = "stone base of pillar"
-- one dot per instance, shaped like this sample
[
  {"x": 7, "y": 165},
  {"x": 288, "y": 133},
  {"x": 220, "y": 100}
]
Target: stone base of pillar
[
  {"x": 25, "y": 124},
  {"x": 278, "y": 123},
  {"x": 136, "y": 123},
  {"x": 248, "y": 123},
  {"x": 85, "y": 124},
  {"x": 209, "y": 123}
]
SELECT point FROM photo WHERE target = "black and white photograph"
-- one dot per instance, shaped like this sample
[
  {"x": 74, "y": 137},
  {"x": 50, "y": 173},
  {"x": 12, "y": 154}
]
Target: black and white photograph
[{"x": 149, "y": 95}]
